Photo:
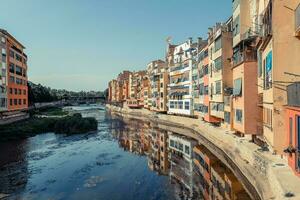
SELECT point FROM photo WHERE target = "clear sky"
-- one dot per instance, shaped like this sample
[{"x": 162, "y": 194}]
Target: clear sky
[{"x": 82, "y": 44}]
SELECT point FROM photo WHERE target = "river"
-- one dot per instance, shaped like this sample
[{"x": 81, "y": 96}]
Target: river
[{"x": 124, "y": 159}]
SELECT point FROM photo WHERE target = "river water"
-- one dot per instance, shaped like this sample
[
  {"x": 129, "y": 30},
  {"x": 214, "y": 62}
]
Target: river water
[{"x": 124, "y": 159}]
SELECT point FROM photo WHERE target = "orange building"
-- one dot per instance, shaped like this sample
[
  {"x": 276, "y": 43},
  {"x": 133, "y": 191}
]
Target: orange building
[{"x": 13, "y": 74}]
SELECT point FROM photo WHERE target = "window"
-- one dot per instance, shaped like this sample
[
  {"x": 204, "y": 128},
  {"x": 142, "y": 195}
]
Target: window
[
  {"x": 18, "y": 57},
  {"x": 186, "y": 105},
  {"x": 3, "y": 39},
  {"x": 187, "y": 149},
  {"x": 297, "y": 17},
  {"x": 218, "y": 63},
  {"x": 16, "y": 91},
  {"x": 15, "y": 102},
  {"x": 19, "y": 91},
  {"x": 267, "y": 117},
  {"x": 11, "y": 68},
  {"x": 20, "y": 81},
  {"x": 24, "y": 101},
  {"x": 218, "y": 44},
  {"x": 161, "y": 85},
  {"x": 161, "y": 94},
  {"x": 206, "y": 90},
  {"x": 19, "y": 70},
  {"x": 239, "y": 115},
  {"x": 236, "y": 26},
  {"x": 172, "y": 143},
  {"x": 227, "y": 117},
  {"x": 171, "y": 104},
  {"x": 176, "y": 104},
  {"x": 218, "y": 87},
  {"x": 10, "y": 90},
  {"x": 291, "y": 131},
  {"x": 20, "y": 101},
  {"x": 259, "y": 63},
  {"x": 24, "y": 92},
  {"x": 11, "y": 54},
  {"x": 201, "y": 89},
  {"x": 180, "y": 147},
  {"x": 237, "y": 87},
  {"x": 11, "y": 79},
  {"x": 161, "y": 105},
  {"x": 11, "y": 102},
  {"x": 268, "y": 71},
  {"x": 180, "y": 104}
]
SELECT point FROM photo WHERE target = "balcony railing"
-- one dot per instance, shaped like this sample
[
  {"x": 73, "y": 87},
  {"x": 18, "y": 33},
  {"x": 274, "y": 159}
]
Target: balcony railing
[
  {"x": 178, "y": 68},
  {"x": 267, "y": 20}
]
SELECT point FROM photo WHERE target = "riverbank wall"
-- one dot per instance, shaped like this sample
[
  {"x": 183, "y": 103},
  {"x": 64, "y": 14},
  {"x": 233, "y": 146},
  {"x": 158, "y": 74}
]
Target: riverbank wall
[{"x": 263, "y": 175}]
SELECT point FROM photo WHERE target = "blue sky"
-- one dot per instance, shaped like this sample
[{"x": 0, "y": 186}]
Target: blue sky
[{"x": 82, "y": 44}]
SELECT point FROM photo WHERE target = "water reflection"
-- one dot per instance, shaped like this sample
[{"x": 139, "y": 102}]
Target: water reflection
[
  {"x": 114, "y": 163},
  {"x": 193, "y": 170}
]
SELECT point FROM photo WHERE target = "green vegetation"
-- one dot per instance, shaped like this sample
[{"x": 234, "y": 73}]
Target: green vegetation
[
  {"x": 52, "y": 111},
  {"x": 74, "y": 124}
]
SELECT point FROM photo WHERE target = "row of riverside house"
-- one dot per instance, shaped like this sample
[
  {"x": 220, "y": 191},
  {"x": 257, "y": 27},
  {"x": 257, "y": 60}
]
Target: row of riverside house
[{"x": 244, "y": 77}]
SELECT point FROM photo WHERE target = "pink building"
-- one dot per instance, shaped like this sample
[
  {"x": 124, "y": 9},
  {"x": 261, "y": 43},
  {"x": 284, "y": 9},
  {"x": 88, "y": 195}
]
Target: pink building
[{"x": 293, "y": 127}]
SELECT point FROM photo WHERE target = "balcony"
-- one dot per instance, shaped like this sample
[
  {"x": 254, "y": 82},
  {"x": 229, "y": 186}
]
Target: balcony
[
  {"x": 244, "y": 53},
  {"x": 267, "y": 20},
  {"x": 178, "y": 68}
]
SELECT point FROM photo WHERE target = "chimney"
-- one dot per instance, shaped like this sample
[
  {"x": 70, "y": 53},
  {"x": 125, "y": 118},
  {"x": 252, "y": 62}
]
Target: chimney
[
  {"x": 190, "y": 40},
  {"x": 199, "y": 40}
]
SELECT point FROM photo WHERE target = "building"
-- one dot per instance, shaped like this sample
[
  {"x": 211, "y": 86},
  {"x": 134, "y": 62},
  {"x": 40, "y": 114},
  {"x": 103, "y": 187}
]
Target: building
[
  {"x": 180, "y": 87},
  {"x": 158, "y": 75},
  {"x": 123, "y": 85},
  {"x": 181, "y": 161},
  {"x": 136, "y": 99},
  {"x": 203, "y": 161},
  {"x": 244, "y": 66},
  {"x": 220, "y": 73},
  {"x": 112, "y": 91},
  {"x": 197, "y": 78},
  {"x": 292, "y": 129},
  {"x": 278, "y": 64},
  {"x": 201, "y": 108},
  {"x": 146, "y": 91},
  {"x": 13, "y": 74}
]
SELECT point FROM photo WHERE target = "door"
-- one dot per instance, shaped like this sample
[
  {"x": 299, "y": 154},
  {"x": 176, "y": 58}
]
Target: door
[{"x": 298, "y": 139}]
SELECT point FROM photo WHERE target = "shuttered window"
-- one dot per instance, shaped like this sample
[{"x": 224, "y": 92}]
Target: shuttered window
[
  {"x": 267, "y": 117},
  {"x": 237, "y": 88},
  {"x": 239, "y": 115},
  {"x": 291, "y": 130},
  {"x": 218, "y": 87},
  {"x": 218, "y": 63}
]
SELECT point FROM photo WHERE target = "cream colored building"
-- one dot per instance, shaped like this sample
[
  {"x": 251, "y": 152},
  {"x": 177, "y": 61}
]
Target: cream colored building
[
  {"x": 279, "y": 64},
  {"x": 220, "y": 73}
]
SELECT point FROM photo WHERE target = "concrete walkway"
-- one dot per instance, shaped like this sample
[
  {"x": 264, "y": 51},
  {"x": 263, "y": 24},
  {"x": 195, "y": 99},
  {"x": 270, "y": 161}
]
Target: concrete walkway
[{"x": 269, "y": 174}]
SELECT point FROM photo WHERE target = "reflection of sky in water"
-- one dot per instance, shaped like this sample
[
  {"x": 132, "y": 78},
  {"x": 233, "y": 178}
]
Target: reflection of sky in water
[{"x": 87, "y": 167}]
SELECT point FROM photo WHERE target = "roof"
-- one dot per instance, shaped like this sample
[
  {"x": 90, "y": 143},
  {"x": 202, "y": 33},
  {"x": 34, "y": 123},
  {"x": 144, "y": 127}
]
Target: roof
[{"x": 12, "y": 37}]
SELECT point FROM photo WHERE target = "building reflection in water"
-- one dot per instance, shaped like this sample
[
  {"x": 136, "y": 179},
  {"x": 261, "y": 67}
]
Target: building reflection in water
[{"x": 193, "y": 170}]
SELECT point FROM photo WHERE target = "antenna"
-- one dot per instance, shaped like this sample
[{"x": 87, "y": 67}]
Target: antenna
[{"x": 168, "y": 39}]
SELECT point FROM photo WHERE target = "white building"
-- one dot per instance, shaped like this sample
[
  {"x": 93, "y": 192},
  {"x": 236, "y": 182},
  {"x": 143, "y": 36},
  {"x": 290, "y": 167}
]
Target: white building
[{"x": 180, "y": 87}]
